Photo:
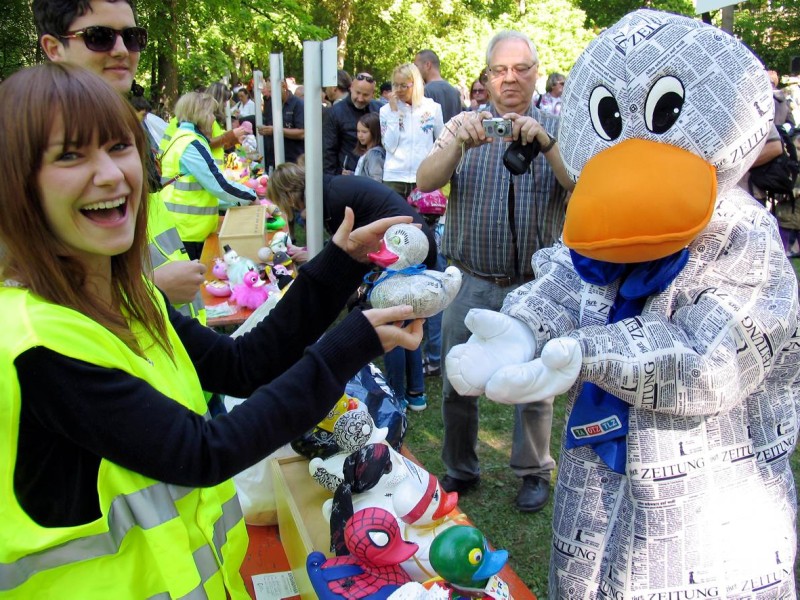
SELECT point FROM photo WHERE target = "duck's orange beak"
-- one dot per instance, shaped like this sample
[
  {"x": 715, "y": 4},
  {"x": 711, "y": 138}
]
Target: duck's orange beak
[{"x": 639, "y": 201}]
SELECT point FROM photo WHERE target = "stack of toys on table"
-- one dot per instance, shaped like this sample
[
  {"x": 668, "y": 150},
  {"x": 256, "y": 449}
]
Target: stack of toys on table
[
  {"x": 248, "y": 283},
  {"x": 395, "y": 533}
]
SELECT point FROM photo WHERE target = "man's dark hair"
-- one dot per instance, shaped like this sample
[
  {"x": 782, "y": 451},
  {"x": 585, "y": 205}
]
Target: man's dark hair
[
  {"x": 430, "y": 56},
  {"x": 343, "y": 80},
  {"x": 386, "y": 86},
  {"x": 55, "y": 16}
]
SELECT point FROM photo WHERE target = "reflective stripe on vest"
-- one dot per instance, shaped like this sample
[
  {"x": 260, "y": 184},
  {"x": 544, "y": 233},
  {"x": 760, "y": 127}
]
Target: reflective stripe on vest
[
  {"x": 195, "y": 308},
  {"x": 126, "y": 512},
  {"x": 186, "y": 186},
  {"x": 197, "y": 217},
  {"x": 191, "y": 210},
  {"x": 164, "y": 245}
]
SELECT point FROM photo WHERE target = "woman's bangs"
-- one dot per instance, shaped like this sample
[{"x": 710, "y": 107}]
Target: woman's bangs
[{"x": 82, "y": 96}]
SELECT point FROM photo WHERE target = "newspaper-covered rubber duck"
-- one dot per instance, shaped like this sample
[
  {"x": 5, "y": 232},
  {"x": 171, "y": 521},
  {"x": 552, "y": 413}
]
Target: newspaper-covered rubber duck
[
  {"x": 405, "y": 280},
  {"x": 672, "y": 307},
  {"x": 372, "y": 569}
]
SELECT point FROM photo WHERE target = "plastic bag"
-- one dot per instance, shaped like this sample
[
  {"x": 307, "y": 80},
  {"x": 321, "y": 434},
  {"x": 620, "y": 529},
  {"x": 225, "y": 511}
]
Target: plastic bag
[
  {"x": 428, "y": 203},
  {"x": 254, "y": 484},
  {"x": 370, "y": 388}
]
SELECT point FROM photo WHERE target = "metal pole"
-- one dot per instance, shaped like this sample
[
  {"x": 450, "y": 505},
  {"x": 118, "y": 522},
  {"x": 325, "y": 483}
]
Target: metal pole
[
  {"x": 276, "y": 85},
  {"x": 258, "y": 78},
  {"x": 312, "y": 80}
]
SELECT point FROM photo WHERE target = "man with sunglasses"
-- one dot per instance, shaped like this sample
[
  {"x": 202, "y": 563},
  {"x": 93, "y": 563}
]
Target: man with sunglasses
[
  {"x": 495, "y": 222},
  {"x": 339, "y": 129},
  {"x": 102, "y": 36},
  {"x": 98, "y": 35}
]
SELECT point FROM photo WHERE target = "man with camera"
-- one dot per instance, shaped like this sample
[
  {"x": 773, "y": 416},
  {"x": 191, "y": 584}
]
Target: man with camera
[{"x": 496, "y": 220}]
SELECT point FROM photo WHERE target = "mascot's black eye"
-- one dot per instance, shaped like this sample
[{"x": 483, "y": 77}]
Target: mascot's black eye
[
  {"x": 664, "y": 103},
  {"x": 604, "y": 110}
]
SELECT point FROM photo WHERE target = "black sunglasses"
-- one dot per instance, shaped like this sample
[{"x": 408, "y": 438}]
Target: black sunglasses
[
  {"x": 99, "y": 38},
  {"x": 365, "y": 77}
]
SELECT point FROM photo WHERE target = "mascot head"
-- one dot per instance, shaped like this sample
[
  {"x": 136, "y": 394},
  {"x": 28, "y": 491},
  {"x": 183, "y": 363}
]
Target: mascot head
[{"x": 661, "y": 114}]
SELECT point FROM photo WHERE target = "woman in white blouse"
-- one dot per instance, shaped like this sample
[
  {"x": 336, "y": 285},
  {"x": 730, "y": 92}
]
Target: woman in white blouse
[{"x": 410, "y": 123}]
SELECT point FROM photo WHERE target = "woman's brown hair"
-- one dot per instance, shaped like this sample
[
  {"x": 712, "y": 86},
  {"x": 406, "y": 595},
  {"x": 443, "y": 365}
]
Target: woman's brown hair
[
  {"x": 30, "y": 253},
  {"x": 287, "y": 188}
]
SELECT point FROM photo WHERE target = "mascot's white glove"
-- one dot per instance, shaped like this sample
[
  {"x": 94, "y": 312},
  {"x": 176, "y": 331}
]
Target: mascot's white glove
[
  {"x": 538, "y": 380},
  {"x": 498, "y": 340}
]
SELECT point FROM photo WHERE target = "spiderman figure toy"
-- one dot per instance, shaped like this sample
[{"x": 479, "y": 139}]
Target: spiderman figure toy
[{"x": 372, "y": 570}]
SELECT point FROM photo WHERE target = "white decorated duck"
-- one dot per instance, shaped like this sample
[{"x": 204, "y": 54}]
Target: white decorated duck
[
  {"x": 405, "y": 279},
  {"x": 670, "y": 314}
]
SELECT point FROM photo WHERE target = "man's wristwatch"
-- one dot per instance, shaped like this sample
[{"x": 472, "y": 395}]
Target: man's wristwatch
[{"x": 549, "y": 146}]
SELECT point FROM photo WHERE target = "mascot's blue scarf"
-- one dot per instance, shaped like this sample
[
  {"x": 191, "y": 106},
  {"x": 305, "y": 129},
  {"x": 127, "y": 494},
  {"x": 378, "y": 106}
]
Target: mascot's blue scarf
[{"x": 599, "y": 419}]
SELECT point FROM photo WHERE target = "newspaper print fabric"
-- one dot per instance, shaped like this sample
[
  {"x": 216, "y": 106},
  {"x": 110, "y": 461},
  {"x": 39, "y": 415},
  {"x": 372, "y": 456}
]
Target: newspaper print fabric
[
  {"x": 706, "y": 507},
  {"x": 727, "y": 91}
]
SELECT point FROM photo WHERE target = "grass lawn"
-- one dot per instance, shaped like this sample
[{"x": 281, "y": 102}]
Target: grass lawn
[{"x": 491, "y": 506}]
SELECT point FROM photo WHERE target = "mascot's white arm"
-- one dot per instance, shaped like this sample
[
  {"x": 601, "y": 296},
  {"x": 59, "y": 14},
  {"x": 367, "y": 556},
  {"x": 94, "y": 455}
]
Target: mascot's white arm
[{"x": 496, "y": 360}]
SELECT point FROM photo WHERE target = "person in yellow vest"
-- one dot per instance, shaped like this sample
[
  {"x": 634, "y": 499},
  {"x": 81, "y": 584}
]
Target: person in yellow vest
[
  {"x": 115, "y": 482},
  {"x": 220, "y": 138},
  {"x": 194, "y": 188}
]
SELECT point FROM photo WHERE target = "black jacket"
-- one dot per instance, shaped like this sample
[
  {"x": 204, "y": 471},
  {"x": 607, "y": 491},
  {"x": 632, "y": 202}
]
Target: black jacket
[
  {"x": 370, "y": 201},
  {"x": 339, "y": 135}
]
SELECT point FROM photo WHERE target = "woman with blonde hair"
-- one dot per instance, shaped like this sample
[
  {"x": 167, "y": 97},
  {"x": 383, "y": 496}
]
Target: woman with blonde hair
[
  {"x": 194, "y": 188},
  {"x": 410, "y": 123},
  {"x": 116, "y": 482}
]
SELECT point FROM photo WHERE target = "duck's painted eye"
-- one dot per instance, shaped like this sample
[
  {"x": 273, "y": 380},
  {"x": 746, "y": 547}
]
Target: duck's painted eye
[
  {"x": 663, "y": 105},
  {"x": 475, "y": 556},
  {"x": 396, "y": 240},
  {"x": 379, "y": 537},
  {"x": 604, "y": 110}
]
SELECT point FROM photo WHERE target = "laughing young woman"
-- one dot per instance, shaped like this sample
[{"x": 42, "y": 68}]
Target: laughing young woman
[{"x": 115, "y": 480}]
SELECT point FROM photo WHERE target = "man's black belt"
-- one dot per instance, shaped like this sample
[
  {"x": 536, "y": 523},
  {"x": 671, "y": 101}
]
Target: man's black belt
[{"x": 499, "y": 280}]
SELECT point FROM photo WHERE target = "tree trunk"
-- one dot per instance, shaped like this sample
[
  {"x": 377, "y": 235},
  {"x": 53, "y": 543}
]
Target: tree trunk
[{"x": 344, "y": 14}]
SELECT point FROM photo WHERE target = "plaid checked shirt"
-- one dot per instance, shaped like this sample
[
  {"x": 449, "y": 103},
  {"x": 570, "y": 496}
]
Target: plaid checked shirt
[{"x": 478, "y": 230}]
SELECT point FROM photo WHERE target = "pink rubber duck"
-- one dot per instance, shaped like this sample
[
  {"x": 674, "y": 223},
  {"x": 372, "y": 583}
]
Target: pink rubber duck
[{"x": 251, "y": 293}]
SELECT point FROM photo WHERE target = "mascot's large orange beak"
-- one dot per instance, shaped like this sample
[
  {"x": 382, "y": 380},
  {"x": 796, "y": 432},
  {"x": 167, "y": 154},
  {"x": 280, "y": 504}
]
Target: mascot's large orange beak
[{"x": 639, "y": 201}]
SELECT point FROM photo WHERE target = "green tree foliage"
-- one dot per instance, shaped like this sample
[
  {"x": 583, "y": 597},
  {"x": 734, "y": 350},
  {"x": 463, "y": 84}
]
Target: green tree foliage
[
  {"x": 771, "y": 30},
  {"x": 18, "y": 41},
  {"x": 601, "y": 14}
]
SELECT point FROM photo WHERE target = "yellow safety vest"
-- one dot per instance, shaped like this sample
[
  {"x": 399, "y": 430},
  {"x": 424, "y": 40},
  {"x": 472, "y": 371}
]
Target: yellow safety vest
[
  {"x": 216, "y": 131},
  {"x": 165, "y": 246},
  {"x": 152, "y": 540},
  {"x": 194, "y": 210}
]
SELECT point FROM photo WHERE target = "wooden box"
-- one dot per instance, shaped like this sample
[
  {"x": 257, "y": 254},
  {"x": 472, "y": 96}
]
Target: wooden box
[
  {"x": 243, "y": 229},
  {"x": 303, "y": 529}
]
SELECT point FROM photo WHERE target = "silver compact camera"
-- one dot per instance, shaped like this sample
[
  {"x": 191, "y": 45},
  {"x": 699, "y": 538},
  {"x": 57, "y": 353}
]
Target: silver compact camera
[{"x": 497, "y": 127}]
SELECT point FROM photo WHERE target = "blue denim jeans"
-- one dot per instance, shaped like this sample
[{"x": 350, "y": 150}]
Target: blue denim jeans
[
  {"x": 404, "y": 371},
  {"x": 432, "y": 328}
]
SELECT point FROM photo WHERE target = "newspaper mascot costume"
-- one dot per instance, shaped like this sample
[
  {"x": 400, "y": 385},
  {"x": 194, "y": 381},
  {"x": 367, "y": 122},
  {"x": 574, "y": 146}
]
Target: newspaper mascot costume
[{"x": 670, "y": 313}]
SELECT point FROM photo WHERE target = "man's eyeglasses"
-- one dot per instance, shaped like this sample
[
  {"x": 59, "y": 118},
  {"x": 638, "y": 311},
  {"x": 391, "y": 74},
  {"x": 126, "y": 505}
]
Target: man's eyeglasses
[
  {"x": 502, "y": 70},
  {"x": 402, "y": 86},
  {"x": 99, "y": 38},
  {"x": 365, "y": 77}
]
